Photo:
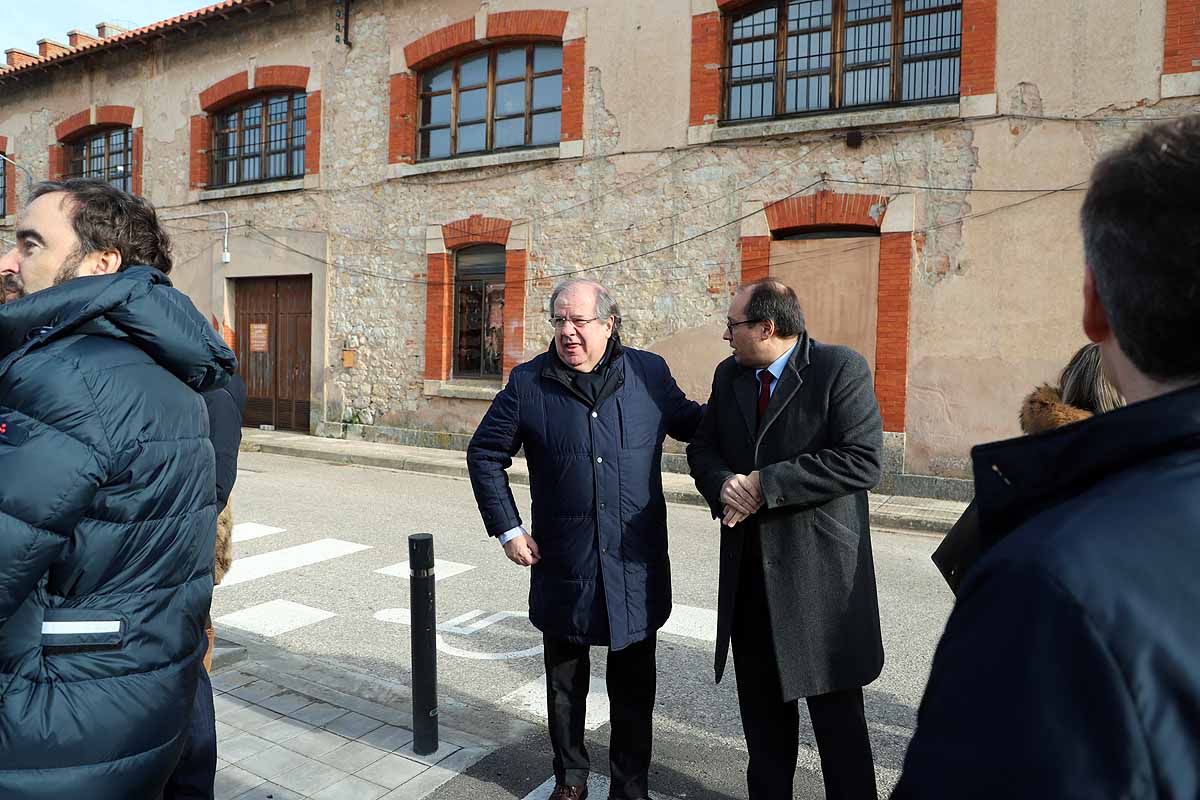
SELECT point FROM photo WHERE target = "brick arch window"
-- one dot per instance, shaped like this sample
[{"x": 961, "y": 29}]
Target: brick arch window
[
  {"x": 101, "y": 142},
  {"x": 106, "y": 153},
  {"x": 260, "y": 139},
  {"x": 515, "y": 81},
  {"x": 479, "y": 311},
  {"x": 256, "y": 127},
  {"x": 497, "y": 98}
]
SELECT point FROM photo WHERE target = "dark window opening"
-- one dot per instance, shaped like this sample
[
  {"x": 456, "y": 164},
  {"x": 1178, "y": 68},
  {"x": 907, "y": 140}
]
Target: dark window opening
[
  {"x": 105, "y": 154},
  {"x": 479, "y": 312},
  {"x": 496, "y": 99},
  {"x": 258, "y": 141},
  {"x": 793, "y": 57}
]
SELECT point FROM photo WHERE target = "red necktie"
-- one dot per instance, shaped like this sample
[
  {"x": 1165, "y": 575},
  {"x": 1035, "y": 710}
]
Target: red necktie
[{"x": 764, "y": 392}]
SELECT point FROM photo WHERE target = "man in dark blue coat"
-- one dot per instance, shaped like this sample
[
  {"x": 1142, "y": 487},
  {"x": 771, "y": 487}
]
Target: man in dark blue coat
[
  {"x": 1070, "y": 667},
  {"x": 591, "y": 415},
  {"x": 108, "y": 503}
]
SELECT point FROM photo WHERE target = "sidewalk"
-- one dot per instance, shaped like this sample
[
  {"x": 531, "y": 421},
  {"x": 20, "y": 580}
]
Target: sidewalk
[
  {"x": 290, "y": 728},
  {"x": 888, "y": 512}
]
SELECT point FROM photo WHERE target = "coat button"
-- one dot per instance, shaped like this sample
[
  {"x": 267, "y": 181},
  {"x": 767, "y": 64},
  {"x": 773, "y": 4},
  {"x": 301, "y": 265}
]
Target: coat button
[
  {"x": 599, "y": 459},
  {"x": 594, "y": 415}
]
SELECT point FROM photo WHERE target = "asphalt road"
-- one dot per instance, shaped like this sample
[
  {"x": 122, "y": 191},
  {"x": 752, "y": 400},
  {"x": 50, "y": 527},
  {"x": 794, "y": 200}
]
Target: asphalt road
[{"x": 350, "y": 522}]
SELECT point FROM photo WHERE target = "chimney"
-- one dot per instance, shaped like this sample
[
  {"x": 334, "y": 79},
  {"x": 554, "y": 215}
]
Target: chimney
[
  {"x": 78, "y": 38},
  {"x": 107, "y": 30},
  {"x": 48, "y": 48},
  {"x": 18, "y": 58}
]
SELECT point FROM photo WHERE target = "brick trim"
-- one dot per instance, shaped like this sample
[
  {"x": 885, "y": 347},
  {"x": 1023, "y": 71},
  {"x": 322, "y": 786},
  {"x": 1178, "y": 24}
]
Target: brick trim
[
  {"x": 756, "y": 257},
  {"x": 225, "y": 91},
  {"x": 573, "y": 90},
  {"x": 516, "y": 266},
  {"x": 73, "y": 125},
  {"x": 476, "y": 229},
  {"x": 727, "y": 6},
  {"x": 827, "y": 209},
  {"x": 707, "y": 47},
  {"x": 526, "y": 25},
  {"x": 440, "y": 45},
  {"x": 10, "y": 177},
  {"x": 891, "y": 331},
  {"x": 312, "y": 135},
  {"x": 439, "y": 317},
  {"x": 198, "y": 159},
  {"x": 978, "y": 75},
  {"x": 402, "y": 119},
  {"x": 114, "y": 115},
  {"x": 137, "y": 162},
  {"x": 58, "y": 162},
  {"x": 281, "y": 76},
  {"x": 1181, "y": 42}
]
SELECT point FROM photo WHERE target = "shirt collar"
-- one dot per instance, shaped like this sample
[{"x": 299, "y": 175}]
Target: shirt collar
[{"x": 776, "y": 368}]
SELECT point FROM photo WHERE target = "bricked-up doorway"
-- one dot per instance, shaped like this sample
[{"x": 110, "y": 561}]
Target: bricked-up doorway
[
  {"x": 836, "y": 277},
  {"x": 274, "y": 327}
]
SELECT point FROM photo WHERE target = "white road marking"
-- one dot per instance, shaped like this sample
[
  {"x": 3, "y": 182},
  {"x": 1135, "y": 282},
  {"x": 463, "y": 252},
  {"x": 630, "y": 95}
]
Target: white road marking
[
  {"x": 441, "y": 569},
  {"x": 302, "y": 555},
  {"x": 245, "y": 531},
  {"x": 531, "y": 698},
  {"x": 403, "y": 616},
  {"x": 275, "y": 617},
  {"x": 692, "y": 622}
]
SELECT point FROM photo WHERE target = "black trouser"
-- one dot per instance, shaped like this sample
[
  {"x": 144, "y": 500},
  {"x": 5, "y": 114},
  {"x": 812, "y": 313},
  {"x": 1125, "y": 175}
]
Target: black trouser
[
  {"x": 197, "y": 768},
  {"x": 631, "y": 685},
  {"x": 772, "y": 725}
]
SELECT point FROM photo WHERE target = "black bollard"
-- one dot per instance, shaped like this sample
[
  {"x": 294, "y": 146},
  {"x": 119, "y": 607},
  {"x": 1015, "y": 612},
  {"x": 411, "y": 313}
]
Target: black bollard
[{"x": 424, "y": 644}]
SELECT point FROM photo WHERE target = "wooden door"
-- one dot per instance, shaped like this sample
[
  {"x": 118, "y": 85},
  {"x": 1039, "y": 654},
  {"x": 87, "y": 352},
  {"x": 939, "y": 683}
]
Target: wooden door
[
  {"x": 274, "y": 328},
  {"x": 837, "y": 281}
]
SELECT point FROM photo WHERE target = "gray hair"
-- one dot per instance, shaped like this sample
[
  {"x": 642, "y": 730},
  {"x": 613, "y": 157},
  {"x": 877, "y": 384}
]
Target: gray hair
[{"x": 606, "y": 306}]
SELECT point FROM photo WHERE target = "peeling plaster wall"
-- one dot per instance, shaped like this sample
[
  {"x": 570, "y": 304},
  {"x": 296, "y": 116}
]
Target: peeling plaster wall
[{"x": 995, "y": 297}]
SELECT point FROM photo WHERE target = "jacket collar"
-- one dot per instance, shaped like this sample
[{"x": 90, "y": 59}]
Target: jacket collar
[
  {"x": 612, "y": 365},
  {"x": 1017, "y": 478},
  {"x": 745, "y": 387},
  {"x": 137, "y": 305}
]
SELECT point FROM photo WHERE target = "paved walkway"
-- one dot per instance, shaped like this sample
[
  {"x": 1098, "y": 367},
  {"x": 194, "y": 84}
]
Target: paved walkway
[
  {"x": 891, "y": 512},
  {"x": 288, "y": 729}
]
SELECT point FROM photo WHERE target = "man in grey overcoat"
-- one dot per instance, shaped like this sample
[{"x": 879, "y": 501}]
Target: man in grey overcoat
[{"x": 789, "y": 446}]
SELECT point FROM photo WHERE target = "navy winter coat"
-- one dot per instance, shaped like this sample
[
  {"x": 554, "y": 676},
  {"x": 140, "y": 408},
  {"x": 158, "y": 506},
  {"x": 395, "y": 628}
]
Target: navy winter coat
[
  {"x": 599, "y": 516},
  {"x": 1070, "y": 667},
  {"x": 107, "y": 517}
]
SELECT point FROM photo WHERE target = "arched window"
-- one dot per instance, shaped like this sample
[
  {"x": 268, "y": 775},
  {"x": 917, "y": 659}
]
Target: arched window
[
  {"x": 259, "y": 140},
  {"x": 106, "y": 154},
  {"x": 801, "y": 56},
  {"x": 479, "y": 312},
  {"x": 495, "y": 99}
]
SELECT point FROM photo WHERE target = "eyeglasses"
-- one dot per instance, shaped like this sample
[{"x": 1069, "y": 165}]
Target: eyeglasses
[
  {"x": 578, "y": 322},
  {"x": 729, "y": 326}
]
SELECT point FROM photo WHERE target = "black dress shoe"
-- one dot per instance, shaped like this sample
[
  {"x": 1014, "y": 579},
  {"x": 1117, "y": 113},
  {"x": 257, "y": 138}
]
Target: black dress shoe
[{"x": 567, "y": 791}]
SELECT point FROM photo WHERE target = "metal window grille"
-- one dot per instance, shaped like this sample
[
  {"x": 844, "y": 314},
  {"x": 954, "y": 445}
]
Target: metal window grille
[
  {"x": 259, "y": 141},
  {"x": 479, "y": 312},
  {"x": 793, "y": 57},
  {"x": 496, "y": 99},
  {"x": 105, "y": 154}
]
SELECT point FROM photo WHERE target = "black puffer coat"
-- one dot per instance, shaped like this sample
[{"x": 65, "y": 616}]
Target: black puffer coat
[{"x": 107, "y": 516}]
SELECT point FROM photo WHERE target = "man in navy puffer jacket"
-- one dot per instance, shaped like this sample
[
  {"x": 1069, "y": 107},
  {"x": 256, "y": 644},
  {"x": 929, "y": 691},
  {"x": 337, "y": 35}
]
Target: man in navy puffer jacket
[{"x": 108, "y": 504}]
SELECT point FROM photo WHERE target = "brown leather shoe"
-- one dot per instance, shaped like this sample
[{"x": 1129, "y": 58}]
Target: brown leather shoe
[{"x": 566, "y": 791}]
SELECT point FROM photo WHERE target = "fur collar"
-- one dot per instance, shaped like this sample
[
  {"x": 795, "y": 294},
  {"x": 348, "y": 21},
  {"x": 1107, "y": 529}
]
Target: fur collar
[{"x": 1044, "y": 410}]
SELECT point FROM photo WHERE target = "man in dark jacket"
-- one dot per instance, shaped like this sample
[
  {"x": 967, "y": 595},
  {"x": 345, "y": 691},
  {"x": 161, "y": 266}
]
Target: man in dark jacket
[
  {"x": 196, "y": 771},
  {"x": 108, "y": 504},
  {"x": 790, "y": 444},
  {"x": 1070, "y": 667},
  {"x": 592, "y": 416}
]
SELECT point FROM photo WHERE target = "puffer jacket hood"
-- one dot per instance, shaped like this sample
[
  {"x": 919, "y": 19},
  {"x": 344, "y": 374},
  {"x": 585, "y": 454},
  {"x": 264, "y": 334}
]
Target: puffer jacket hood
[
  {"x": 1044, "y": 410},
  {"x": 107, "y": 523},
  {"x": 137, "y": 305}
]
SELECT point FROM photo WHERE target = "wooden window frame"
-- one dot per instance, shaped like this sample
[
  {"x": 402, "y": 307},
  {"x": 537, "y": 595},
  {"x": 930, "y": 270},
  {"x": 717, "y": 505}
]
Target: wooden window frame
[
  {"x": 292, "y": 149},
  {"x": 483, "y": 277},
  {"x": 4, "y": 212},
  {"x": 81, "y": 152},
  {"x": 837, "y": 70},
  {"x": 490, "y": 118}
]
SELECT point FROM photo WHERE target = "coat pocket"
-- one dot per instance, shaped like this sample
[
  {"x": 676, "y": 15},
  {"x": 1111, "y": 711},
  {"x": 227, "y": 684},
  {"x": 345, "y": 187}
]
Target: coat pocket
[
  {"x": 830, "y": 526},
  {"x": 82, "y": 628}
]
